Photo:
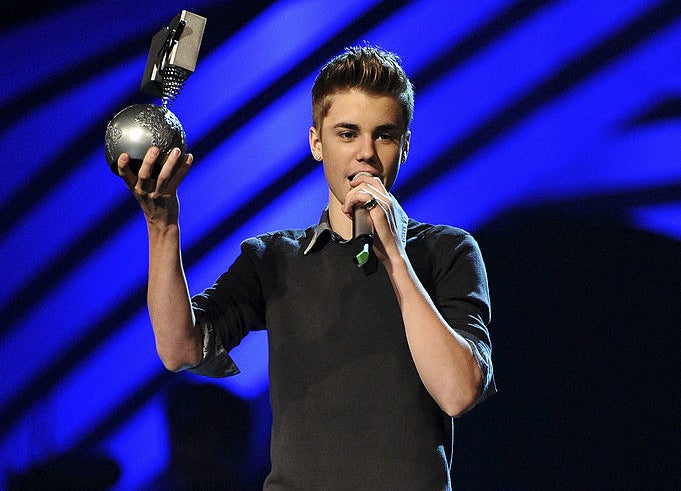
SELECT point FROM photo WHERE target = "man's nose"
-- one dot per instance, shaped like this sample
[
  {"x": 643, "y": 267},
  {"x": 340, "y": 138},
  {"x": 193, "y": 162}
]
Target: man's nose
[{"x": 367, "y": 150}]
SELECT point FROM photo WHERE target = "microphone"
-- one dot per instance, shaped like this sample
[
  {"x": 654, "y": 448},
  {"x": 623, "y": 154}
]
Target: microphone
[{"x": 362, "y": 231}]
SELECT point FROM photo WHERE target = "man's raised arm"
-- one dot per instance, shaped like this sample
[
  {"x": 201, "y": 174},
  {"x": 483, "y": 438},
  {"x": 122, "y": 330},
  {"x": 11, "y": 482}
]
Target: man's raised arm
[{"x": 178, "y": 342}]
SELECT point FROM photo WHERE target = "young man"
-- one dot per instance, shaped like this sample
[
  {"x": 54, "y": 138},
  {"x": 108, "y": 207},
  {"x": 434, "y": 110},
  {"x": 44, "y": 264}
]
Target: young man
[{"x": 367, "y": 369}]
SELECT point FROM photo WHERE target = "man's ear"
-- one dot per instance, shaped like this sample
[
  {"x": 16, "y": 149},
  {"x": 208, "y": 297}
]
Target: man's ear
[
  {"x": 405, "y": 147},
  {"x": 315, "y": 144}
]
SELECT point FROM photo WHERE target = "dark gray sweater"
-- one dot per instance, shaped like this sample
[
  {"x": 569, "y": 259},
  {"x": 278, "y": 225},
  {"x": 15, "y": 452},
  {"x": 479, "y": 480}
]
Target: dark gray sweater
[{"x": 349, "y": 409}]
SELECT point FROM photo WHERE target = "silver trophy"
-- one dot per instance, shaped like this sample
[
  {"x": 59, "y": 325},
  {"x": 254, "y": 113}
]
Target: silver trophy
[{"x": 172, "y": 59}]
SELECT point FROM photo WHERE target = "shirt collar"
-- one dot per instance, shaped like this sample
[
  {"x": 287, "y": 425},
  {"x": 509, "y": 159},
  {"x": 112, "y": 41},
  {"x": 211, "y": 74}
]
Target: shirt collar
[{"x": 324, "y": 225}]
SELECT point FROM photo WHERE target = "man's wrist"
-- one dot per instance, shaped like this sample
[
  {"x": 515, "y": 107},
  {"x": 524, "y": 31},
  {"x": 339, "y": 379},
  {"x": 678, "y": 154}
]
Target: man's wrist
[
  {"x": 159, "y": 229},
  {"x": 396, "y": 262}
]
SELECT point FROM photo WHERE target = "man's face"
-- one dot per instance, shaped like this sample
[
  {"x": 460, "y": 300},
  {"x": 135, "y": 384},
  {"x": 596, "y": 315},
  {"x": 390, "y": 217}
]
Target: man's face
[{"x": 361, "y": 133}]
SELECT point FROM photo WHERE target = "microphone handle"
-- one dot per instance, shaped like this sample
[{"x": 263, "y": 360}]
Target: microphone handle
[
  {"x": 361, "y": 224},
  {"x": 362, "y": 233},
  {"x": 361, "y": 221}
]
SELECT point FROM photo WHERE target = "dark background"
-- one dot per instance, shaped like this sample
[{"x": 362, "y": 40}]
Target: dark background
[{"x": 549, "y": 129}]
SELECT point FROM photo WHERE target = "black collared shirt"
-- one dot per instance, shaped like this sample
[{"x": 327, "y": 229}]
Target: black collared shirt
[{"x": 349, "y": 409}]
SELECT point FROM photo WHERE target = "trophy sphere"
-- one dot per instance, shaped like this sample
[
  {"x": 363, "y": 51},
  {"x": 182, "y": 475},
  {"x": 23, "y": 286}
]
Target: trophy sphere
[{"x": 140, "y": 126}]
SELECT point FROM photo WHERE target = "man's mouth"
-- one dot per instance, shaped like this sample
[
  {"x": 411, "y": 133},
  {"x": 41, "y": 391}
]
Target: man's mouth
[{"x": 351, "y": 177}]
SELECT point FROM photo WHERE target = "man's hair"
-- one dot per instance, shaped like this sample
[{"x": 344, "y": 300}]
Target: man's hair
[{"x": 365, "y": 68}]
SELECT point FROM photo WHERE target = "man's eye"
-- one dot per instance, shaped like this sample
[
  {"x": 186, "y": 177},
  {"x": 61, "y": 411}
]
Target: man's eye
[{"x": 346, "y": 135}]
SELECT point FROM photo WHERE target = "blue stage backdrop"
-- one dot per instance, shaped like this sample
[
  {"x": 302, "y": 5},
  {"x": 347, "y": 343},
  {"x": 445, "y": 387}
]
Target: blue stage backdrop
[{"x": 549, "y": 129}]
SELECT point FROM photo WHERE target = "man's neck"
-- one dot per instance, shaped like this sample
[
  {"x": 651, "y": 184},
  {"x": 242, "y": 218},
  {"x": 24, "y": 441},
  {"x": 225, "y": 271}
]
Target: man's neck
[{"x": 339, "y": 221}]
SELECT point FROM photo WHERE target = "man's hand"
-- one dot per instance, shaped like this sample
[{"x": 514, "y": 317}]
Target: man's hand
[
  {"x": 157, "y": 196},
  {"x": 366, "y": 189}
]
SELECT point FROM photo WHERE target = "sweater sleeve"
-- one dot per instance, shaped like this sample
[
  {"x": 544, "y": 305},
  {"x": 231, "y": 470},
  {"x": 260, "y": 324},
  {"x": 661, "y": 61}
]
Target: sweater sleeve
[
  {"x": 461, "y": 294},
  {"x": 227, "y": 311}
]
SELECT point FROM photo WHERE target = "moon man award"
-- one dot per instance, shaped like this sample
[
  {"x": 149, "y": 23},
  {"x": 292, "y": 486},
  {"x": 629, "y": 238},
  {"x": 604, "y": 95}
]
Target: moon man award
[{"x": 172, "y": 59}]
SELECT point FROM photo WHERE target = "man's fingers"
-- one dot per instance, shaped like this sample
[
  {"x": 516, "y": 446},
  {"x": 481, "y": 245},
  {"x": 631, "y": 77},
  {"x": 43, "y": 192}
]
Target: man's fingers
[
  {"x": 146, "y": 169},
  {"x": 173, "y": 172},
  {"x": 124, "y": 170},
  {"x": 152, "y": 179},
  {"x": 364, "y": 194}
]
